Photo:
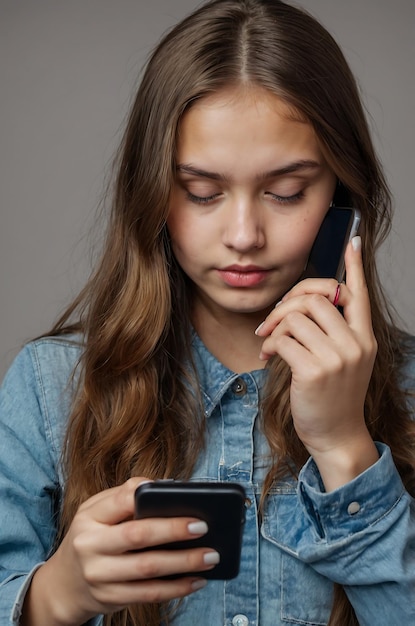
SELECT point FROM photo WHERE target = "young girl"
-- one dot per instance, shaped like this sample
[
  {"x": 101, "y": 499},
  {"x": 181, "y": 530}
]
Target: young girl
[{"x": 175, "y": 361}]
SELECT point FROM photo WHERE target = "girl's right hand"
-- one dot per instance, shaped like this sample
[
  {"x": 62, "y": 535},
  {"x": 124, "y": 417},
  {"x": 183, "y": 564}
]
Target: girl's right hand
[{"x": 96, "y": 568}]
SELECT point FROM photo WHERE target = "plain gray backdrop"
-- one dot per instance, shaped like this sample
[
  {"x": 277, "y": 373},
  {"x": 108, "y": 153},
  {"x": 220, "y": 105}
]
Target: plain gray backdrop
[{"x": 67, "y": 73}]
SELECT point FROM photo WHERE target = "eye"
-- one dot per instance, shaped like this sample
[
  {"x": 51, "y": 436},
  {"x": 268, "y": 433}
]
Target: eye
[
  {"x": 296, "y": 197},
  {"x": 201, "y": 199}
]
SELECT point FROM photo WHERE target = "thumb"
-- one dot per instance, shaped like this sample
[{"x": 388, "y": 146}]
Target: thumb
[
  {"x": 357, "y": 310},
  {"x": 355, "y": 275}
]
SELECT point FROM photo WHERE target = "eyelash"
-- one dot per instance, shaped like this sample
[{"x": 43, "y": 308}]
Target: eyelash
[
  {"x": 281, "y": 199},
  {"x": 200, "y": 199},
  {"x": 288, "y": 199}
]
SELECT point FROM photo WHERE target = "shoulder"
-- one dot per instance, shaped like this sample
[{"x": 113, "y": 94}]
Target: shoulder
[
  {"x": 49, "y": 360},
  {"x": 59, "y": 354},
  {"x": 37, "y": 395},
  {"x": 38, "y": 390}
]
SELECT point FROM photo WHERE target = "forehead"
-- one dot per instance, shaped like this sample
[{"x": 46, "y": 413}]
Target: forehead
[
  {"x": 246, "y": 96},
  {"x": 239, "y": 125}
]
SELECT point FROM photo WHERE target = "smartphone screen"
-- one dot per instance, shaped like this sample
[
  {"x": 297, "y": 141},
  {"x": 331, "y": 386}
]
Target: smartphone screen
[
  {"x": 326, "y": 258},
  {"x": 220, "y": 504}
]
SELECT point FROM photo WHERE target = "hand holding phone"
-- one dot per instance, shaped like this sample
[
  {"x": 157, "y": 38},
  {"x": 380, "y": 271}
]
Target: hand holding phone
[{"x": 220, "y": 504}]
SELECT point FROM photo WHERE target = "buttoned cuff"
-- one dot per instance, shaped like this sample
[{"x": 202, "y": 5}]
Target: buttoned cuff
[{"x": 355, "y": 506}]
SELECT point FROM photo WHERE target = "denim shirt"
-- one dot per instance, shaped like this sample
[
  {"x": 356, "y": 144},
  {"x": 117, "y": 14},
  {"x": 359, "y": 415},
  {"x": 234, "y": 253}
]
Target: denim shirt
[{"x": 361, "y": 535}]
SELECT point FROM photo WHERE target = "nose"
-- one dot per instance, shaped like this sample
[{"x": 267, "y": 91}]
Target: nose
[{"x": 244, "y": 229}]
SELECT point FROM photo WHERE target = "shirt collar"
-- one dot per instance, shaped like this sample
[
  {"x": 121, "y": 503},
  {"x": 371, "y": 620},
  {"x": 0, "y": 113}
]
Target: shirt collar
[{"x": 213, "y": 377}]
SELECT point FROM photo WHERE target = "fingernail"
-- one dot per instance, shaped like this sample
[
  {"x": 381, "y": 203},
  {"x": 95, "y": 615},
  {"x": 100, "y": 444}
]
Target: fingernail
[
  {"x": 199, "y": 584},
  {"x": 211, "y": 558},
  {"x": 197, "y": 528},
  {"x": 356, "y": 242},
  {"x": 259, "y": 328},
  {"x": 278, "y": 304}
]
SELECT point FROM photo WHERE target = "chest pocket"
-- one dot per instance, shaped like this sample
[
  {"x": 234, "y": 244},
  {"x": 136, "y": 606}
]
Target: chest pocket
[{"x": 306, "y": 595}]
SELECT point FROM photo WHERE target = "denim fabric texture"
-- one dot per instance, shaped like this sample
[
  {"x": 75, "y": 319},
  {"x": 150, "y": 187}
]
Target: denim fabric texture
[{"x": 361, "y": 535}]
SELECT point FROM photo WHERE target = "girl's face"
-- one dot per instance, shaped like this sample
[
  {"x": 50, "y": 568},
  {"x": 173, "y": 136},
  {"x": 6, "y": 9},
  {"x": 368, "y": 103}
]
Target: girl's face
[{"x": 251, "y": 190}]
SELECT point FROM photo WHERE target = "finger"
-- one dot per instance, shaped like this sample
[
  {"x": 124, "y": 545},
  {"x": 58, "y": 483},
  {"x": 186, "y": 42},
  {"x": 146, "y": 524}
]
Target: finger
[
  {"x": 114, "y": 505},
  {"x": 295, "y": 328},
  {"x": 145, "y": 533},
  {"x": 119, "y": 595},
  {"x": 315, "y": 324},
  {"x": 357, "y": 306},
  {"x": 311, "y": 303},
  {"x": 355, "y": 275},
  {"x": 326, "y": 287},
  {"x": 150, "y": 564}
]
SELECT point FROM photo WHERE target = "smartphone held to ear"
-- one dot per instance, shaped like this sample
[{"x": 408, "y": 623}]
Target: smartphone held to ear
[
  {"x": 220, "y": 504},
  {"x": 326, "y": 259}
]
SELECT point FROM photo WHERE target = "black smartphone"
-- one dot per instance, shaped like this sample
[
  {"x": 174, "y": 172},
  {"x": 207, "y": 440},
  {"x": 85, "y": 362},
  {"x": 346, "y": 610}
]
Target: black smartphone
[
  {"x": 326, "y": 259},
  {"x": 220, "y": 504}
]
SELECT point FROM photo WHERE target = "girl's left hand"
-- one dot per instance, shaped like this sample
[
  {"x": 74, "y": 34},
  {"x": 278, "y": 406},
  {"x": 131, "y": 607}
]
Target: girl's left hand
[{"x": 331, "y": 359}]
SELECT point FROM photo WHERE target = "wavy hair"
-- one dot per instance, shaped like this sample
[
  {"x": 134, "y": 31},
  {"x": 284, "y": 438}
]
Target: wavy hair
[{"x": 135, "y": 410}]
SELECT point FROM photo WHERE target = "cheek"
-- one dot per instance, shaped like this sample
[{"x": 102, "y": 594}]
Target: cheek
[
  {"x": 184, "y": 241},
  {"x": 298, "y": 242},
  {"x": 177, "y": 227},
  {"x": 190, "y": 234}
]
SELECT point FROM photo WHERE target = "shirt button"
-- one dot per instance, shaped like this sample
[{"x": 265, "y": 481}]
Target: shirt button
[
  {"x": 240, "y": 620},
  {"x": 239, "y": 389},
  {"x": 353, "y": 508}
]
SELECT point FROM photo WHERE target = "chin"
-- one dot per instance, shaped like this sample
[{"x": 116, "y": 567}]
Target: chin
[{"x": 252, "y": 309}]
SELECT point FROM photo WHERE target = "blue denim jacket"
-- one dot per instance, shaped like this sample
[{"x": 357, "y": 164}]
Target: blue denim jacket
[{"x": 361, "y": 535}]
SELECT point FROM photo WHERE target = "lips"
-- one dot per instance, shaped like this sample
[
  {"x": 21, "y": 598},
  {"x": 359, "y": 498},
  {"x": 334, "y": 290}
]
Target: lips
[{"x": 243, "y": 276}]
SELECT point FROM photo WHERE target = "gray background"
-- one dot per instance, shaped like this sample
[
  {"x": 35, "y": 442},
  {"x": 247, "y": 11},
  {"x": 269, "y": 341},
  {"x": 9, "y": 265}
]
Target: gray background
[{"x": 67, "y": 72}]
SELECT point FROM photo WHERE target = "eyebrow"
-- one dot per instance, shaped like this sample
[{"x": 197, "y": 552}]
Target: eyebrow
[{"x": 290, "y": 168}]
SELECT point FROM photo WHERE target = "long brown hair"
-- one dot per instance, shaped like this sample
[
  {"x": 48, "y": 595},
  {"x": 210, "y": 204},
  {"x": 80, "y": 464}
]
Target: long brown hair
[{"x": 135, "y": 412}]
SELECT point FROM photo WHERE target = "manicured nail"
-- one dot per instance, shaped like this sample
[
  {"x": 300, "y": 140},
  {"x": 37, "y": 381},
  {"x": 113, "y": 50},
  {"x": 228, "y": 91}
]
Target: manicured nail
[
  {"x": 211, "y": 558},
  {"x": 356, "y": 243},
  {"x": 259, "y": 328},
  {"x": 197, "y": 528},
  {"x": 199, "y": 584}
]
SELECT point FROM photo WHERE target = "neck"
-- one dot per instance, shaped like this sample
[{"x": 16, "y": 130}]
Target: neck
[{"x": 231, "y": 338}]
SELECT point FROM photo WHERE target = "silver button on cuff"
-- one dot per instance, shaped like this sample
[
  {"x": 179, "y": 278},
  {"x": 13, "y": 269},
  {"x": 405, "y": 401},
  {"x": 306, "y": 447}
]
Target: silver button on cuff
[
  {"x": 240, "y": 620},
  {"x": 239, "y": 388},
  {"x": 353, "y": 508}
]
